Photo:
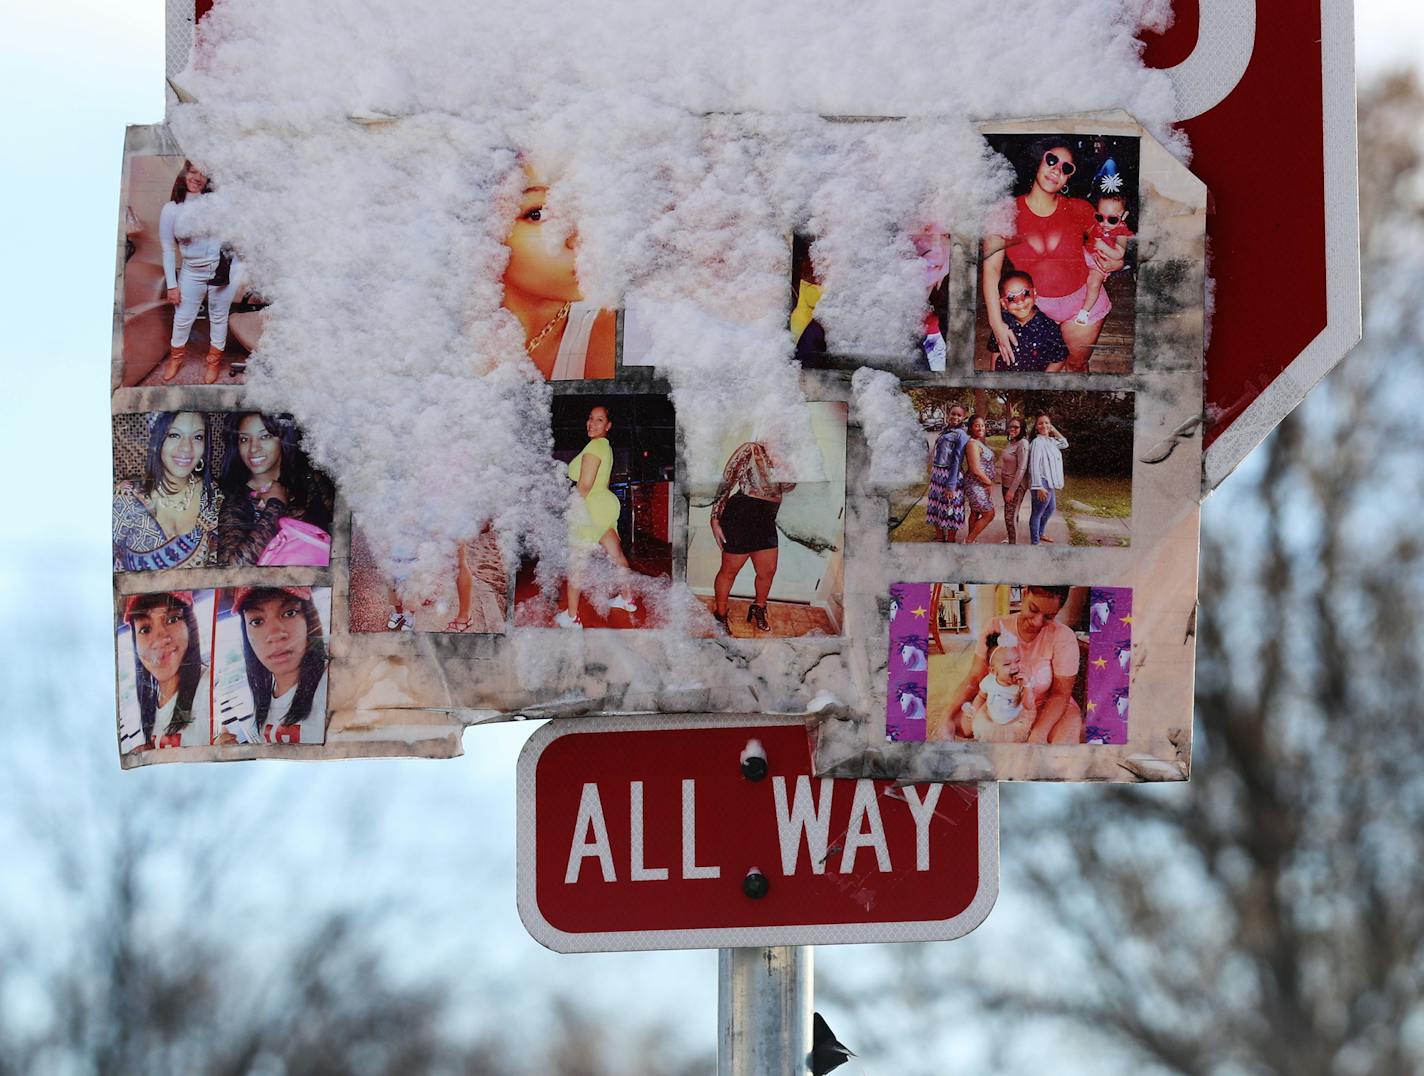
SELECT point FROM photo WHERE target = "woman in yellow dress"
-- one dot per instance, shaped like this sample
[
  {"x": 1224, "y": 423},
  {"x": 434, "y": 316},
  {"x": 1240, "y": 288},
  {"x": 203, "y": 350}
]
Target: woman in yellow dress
[{"x": 593, "y": 516}]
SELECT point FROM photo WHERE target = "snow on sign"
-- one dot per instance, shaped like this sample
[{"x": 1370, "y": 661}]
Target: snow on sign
[
  {"x": 1266, "y": 93},
  {"x": 714, "y": 833}
]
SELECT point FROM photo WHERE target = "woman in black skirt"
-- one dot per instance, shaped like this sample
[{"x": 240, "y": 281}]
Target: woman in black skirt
[{"x": 744, "y": 525}]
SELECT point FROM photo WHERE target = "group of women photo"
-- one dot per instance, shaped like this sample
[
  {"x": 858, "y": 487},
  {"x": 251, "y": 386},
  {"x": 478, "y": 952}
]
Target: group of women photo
[
  {"x": 998, "y": 462},
  {"x": 244, "y": 665}
]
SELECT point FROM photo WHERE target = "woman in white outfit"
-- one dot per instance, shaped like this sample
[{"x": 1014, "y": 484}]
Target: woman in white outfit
[
  {"x": 567, "y": 338},
  {"x": 195, "y": 269}
]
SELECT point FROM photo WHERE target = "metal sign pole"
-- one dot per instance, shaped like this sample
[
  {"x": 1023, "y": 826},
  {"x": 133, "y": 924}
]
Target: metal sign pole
[{"x": 764, "y": 1003}]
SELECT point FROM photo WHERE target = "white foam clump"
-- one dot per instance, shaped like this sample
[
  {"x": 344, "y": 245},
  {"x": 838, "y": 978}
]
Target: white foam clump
[
  {"x": 898, "y": 449},
  {"x": 686, "y": 143}
]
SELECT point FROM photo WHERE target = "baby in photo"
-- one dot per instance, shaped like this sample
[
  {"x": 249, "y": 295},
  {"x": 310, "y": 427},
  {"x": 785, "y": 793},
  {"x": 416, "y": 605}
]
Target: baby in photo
[
  {"x": 1111, "y": 228},
  {"x": 1038, "y": 341},
  {"x": 1002, "y": 711}
]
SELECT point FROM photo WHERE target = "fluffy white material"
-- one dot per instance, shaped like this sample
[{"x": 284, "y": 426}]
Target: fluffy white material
[{"x": 686, "y": 142}]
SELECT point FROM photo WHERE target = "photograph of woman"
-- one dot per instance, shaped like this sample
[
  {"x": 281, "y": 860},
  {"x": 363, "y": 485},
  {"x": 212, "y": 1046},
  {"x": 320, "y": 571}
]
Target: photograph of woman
[
  {"x": 979, "y": 473},
  {"x": 766, "y": 547},
  {"x": 199, "y": 268},
  {"x": 979, "y": 478},
  {"x": 618, "y": 453},
  {"x": 1013, "y": 467},
  {"x": 276, "y": 509},
  {"x": 1036, "y": 652},
  {"x": 744, "y": 525},
  {"x": 165, "y": 518},
  {"x": 283, "y": 666},
  {"x": 167, "y": 701},
  {"x": 1061, "y": 255},
  {"x": 593, "y": 517},
  {"x": 1045, "y": 476},
  {"x": 566, "y": 338}
]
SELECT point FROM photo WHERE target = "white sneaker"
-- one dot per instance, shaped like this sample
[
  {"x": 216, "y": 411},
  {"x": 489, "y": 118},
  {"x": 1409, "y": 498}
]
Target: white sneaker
[
  {"x": 565, "y": 621},
  {"x": 628, "y": 605},
  {"x": 395, "y": 621}
]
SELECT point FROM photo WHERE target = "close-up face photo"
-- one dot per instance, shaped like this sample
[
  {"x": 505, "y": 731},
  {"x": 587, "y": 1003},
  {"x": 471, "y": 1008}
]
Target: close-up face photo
[
  {"x": 183, "y": 445},
  {"x": 277, "y": 630},
  {"x": 1055, "y": 169},
  {"x": 542, "y": 248},
  {"x": 258, "y": 447},
  {"x": 161, "y": 637},
  {"x": 598, "y": 423}
]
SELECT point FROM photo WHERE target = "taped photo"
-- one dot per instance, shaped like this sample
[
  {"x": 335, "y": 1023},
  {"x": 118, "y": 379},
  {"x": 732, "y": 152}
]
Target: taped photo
[
  {"x": 271, "y": 647},
  {"x": 766, "y": 549},
  {"x": 196, "y": 489},
  {"x": 1009, "y": 663},
  {"x": 190, "y": 314},
  {"x": 164, "y": 648},
  {"x": 1020, "y": 467},
  {"x": 1058, "y": 284},
  {"x": 620, "y": 457}
]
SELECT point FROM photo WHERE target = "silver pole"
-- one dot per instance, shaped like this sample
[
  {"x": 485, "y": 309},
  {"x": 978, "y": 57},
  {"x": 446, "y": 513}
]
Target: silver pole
[{"x": 764, "y": 1002}]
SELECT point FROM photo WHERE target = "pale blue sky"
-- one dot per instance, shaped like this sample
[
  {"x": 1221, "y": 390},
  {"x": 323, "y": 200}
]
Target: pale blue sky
[{"x": 72, "y": 76}]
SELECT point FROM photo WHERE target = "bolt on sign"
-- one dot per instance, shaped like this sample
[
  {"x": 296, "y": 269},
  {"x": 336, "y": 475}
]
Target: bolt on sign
[
  {"x": 668, "y": 833},
  {"x": 913, "y": 454}
]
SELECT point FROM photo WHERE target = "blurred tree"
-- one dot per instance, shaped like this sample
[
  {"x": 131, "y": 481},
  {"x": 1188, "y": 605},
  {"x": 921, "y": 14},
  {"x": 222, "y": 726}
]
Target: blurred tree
[
  {"x": 178, "y": 920},
  {"x": 1265, "y": 918}
]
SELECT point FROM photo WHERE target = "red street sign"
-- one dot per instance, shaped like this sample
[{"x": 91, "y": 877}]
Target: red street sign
[
  {"x": 1267, "y": 92},
  {"x": 644, "y": 833}
]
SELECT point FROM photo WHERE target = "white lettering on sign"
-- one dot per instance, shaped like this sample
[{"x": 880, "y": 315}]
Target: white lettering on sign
[
  {"x": 922, "y": 811},
  {"x": 637, "y": 871},
  {"x": 803, "y": 816},
  {"x": 690, "y": 869},
  {"x": 590, "y": 818},
  {"x": 865, "y": 829}
]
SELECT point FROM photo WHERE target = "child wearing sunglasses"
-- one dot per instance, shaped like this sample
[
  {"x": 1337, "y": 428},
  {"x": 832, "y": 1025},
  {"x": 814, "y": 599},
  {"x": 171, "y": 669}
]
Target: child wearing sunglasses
[
  {"x": 1110, "y": 215},
  {"x": 1038, "y": 341}
]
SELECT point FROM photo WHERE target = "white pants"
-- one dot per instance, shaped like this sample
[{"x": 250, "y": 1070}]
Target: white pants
[{"x": 192, "y": 288}]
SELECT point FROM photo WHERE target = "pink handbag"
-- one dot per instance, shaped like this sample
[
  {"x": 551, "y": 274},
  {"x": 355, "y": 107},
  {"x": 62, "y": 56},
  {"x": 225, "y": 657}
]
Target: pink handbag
[{"x": 296, "y": 544}]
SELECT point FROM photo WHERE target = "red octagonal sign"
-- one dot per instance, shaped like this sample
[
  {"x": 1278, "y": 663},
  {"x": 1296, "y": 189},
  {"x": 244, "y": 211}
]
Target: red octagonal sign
[{"x": 636, "y": 833}]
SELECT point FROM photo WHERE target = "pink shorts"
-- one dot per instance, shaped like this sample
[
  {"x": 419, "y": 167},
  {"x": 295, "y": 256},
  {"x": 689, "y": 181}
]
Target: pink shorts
[{"x": 1066, "y": 307}]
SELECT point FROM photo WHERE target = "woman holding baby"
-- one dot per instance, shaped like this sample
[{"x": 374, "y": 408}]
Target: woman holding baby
[
  {"x": 1019, "y": 688},
  {"x": 1048, "y": 244}
]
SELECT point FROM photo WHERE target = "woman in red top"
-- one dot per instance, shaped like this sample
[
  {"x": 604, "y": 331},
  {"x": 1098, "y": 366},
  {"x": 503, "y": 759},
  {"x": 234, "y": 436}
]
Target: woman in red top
[{"x": 1048, "y": 245}]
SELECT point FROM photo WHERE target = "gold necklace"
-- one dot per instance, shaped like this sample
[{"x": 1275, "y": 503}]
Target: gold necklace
[
  {"x": 176, "y": 503},
  {"x": 547, "y": 329}
]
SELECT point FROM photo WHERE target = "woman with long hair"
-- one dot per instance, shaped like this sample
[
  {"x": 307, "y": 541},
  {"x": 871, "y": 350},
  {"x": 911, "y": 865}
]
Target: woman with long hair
[
  {"x": 265, "y": 480},
  {"x": 565, "y": 337},
  {"x": 744, "y": 526},
  {"x": 165, "y": 520},
  {"x": 170, "y": 677},
  {"x": 197, "y": 266},
  {"x": 1045, "y": 660},
  {"x": 1047, "y": 244},
  {"x": 593, "y": 515},
  {"x": 1045, "y": 476},
  {"x": 284, "y": 649},
  {"x": 979, "y": 478},
  {"x": 1013, "y": 471}
]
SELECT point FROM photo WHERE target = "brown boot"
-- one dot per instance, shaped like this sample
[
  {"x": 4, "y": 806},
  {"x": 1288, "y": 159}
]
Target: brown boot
[
  {"x": 174, "y": 362},
  {"x": 212, "y": 365}
]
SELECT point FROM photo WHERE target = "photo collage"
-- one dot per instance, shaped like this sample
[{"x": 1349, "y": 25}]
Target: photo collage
[{"x": 1023, "y": 379}]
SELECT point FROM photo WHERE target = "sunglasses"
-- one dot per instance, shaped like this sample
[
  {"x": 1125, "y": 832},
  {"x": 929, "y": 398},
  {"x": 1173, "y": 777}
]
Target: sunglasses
[
  {"x": 1015, "y": 296},
  {"x": 1109, "y": 219},
  {"x": 1054, "y": 161}
]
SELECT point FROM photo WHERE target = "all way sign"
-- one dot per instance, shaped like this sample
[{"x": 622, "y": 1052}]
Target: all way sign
[{"x": 638, "y": 833}]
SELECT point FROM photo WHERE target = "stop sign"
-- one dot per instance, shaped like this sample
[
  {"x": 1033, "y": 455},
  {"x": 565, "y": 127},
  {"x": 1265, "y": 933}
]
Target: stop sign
[{"x": 1267, "y": 94}]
